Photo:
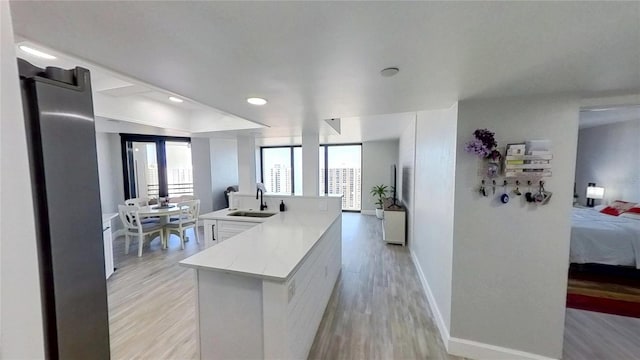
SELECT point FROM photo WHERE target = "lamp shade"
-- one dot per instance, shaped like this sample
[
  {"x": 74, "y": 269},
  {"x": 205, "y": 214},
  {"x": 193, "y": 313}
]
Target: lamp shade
[{"x": 595, "y": 192}]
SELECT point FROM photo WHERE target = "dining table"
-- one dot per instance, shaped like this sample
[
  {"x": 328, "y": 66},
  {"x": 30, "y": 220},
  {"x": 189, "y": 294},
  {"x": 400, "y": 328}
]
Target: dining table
[{"x": 163, "y": 213}]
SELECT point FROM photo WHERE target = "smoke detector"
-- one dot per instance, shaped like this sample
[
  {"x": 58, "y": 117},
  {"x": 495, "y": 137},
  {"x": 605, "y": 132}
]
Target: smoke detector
[{"x": 389, "y": 72}]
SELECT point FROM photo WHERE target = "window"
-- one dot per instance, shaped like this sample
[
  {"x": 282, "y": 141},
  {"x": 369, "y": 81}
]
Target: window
[
  {"x": 339, "y": 169},
  {"x": 156, "y": 166},
  {"x": 179, "y": 168},
  {"x": 341, "y": 173},
  {"x": 282, "y": 169}
]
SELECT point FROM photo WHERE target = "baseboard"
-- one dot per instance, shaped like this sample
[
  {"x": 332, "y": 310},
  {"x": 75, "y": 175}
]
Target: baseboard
[
  {"x": 478, "y": 350},
  {"x": 368, "y": 212},
  {"x": 442, "y": 327}
]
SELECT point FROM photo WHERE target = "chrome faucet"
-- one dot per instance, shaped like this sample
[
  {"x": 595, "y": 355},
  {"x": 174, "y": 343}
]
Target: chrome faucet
[{"x": 263, "y": 205}]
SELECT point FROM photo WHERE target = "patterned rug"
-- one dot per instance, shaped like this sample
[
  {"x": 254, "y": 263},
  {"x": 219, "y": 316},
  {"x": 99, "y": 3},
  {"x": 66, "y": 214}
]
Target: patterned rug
[{"x": 605, "y": 293}]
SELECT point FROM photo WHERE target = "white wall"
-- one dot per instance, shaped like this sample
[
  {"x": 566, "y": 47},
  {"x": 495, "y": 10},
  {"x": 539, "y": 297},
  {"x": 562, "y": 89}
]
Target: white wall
[
  {"x": 201, "y": 162},
  {"x": 247, "y": 164},
  {"x": 224, "y": 169},
  {"x": 432, "y": 245},
  {"x": 21, "y": 331},
  {"x": 377, "y": 158},
  {"x": 215, "y": 167},
  {"x": 510, "y": 261},
  {"x": 310, "y": 163},
  {"x": 406, "y": 165},
  {"x": 609, "y": 155},
  {"x": 110, "y": 171}
]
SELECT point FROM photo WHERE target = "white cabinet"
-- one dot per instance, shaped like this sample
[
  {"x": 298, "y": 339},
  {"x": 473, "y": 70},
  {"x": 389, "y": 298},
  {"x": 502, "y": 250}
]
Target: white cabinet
[
  {"x": 393, "y": 226},
  {"x": 108, "y": 248},
  {"x": 216, "y": 231},
  {"x": 210, "y": 232},
  {"x": 227, "y": 229},
  {"x": 107, "y": 239}
]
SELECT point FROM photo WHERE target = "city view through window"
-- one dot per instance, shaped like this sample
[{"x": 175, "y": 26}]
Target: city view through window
[
  {"x": 148, "y": 177},
  {"x": 342, "y": 172}
]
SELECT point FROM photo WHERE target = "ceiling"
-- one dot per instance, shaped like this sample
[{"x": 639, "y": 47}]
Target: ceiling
[
  {"x": 319, "y": 60},
  {"x": 136, "y": 105}
]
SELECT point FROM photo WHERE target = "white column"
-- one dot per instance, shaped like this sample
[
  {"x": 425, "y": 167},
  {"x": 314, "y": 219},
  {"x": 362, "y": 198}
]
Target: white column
[
  {"x": 310, "y": 162},
  {"x": 247, "y": 164},
  {"x": 20, "y": 309}
]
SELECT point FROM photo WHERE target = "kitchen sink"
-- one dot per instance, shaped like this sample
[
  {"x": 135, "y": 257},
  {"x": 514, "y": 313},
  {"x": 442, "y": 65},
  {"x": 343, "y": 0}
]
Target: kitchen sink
[{"x": 251, "y": 214}]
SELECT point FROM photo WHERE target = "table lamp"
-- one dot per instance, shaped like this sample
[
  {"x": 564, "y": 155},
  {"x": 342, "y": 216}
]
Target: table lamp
[{"x": 594, "y": 192}]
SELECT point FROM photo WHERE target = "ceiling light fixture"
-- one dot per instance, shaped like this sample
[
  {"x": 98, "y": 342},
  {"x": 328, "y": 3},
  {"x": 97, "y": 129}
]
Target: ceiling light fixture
[
  {"x": 256, "y": 101},
  {"x": 175, "y": 99},
  {"x": 37, "y": 53},
  {"x": 389, "y": 72}
]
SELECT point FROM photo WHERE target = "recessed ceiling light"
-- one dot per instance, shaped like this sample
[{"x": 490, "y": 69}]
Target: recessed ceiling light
[
  {"x": 37, "y": 53},
  {"x": 175, "y": 99},
  {"x": 390, "y": 71},
  {"x": 256, "y": 101}
]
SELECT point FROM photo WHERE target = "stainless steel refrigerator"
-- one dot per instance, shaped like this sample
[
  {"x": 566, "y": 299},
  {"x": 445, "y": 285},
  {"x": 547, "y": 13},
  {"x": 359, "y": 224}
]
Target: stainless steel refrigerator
[{"x": 58, "y": 109}]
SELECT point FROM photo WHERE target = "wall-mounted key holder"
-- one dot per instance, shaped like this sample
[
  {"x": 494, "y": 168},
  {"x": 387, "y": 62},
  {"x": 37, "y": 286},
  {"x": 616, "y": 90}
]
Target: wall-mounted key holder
[{"x": 517, "y": 170}]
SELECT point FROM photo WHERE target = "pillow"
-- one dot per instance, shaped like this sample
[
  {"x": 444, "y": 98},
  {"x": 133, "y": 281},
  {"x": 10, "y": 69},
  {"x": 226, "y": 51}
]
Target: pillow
[
  {"x": 617, "y": 207},
  {"x": 634, "y": 210}
]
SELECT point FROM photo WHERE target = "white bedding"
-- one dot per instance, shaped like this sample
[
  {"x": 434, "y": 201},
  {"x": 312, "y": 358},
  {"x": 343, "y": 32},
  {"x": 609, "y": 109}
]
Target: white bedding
[{"x": 604, "y": 239}]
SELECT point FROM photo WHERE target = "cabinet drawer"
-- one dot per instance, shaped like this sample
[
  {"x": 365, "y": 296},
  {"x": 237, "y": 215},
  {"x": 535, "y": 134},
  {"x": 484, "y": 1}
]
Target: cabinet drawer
[{"x": 224, "y": 225}]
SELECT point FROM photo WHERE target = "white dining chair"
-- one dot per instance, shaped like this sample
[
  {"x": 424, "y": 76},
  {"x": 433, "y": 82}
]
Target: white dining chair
[
  {"x": 189, "y": 212},
  {"x": 133, "y": 226},
  {"x": 140, "y": 202},
  {"x": 179, "y": 199}
]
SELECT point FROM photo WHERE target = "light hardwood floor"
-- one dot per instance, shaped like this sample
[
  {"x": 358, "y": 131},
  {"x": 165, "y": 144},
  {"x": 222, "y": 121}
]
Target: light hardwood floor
[
  {"x": 152, "y": 302},
  {"x": 592, "y": 335},
  {"x": 377, "y": 309}
]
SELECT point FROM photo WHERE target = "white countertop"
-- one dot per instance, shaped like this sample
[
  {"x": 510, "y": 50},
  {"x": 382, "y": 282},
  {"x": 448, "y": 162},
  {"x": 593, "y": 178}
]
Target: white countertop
[{"x": 271, "y": 250}]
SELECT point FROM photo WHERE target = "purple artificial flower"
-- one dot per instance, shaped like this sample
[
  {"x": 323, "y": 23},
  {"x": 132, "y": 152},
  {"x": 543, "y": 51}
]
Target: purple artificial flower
[
  {"x": 483, "y": 145},
  {"x": 487, "y": 137},
  {"x": 477, "y": 147}
]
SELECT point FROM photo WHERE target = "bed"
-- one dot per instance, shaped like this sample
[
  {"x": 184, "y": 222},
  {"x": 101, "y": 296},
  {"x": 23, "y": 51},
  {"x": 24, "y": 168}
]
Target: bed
[{"x": 604, "y": 239}]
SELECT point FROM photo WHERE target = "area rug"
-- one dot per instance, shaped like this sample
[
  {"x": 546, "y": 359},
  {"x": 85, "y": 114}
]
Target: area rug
[{"x": 604, "y": 293}]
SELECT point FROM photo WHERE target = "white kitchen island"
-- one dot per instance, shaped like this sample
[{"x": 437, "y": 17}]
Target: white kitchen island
[{"x": 262, "y": 292}]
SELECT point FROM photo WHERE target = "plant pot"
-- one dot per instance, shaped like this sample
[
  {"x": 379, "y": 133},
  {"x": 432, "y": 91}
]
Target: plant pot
[
  {"x": 380, "y": 213},
  {"x": 492, "y": 169}
]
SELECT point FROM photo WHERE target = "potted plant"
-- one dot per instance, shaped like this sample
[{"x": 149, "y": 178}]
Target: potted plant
[{"x": 379, "y": 192}]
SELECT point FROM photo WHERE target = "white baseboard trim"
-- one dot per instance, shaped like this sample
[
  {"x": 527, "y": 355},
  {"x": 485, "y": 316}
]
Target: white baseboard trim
[
  {"x": 462, "y": 347},
  {"x": 368, "y": 212},
  {"x": 442, "y": 327},
  {"x": 478, "y": 350}
]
